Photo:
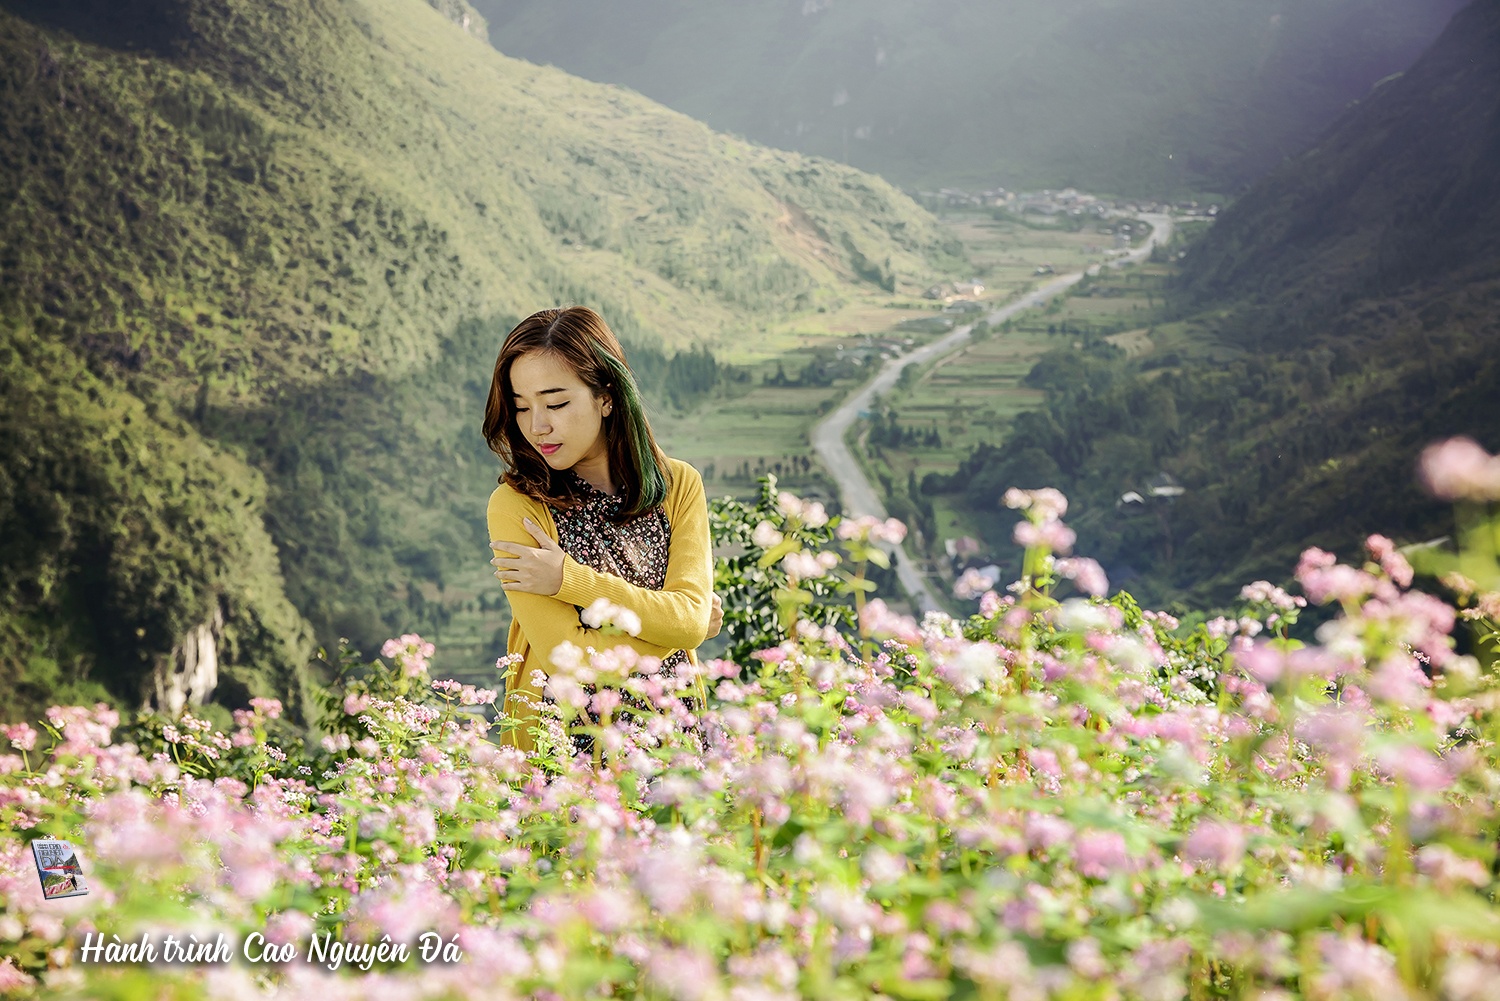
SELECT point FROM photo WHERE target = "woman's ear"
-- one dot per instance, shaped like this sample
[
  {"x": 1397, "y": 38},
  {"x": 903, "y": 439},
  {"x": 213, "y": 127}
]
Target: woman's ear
[{"x": 606, "y": 404}]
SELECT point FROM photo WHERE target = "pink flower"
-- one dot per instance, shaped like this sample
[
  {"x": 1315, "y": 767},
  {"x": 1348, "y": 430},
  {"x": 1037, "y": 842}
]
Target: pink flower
[
  {"x": 684, "y": 974},
  {"x": 868, "y": 528},
  {"x": 604, "y": 702},
  {"x": 1263, "y": 592},
  {"x": 1314, "y": 558},
  {"x": 1392, "y": 562},
  {"x": 949, "y": 918},
  {"x": 82, "y": 728},
  {"x": 856, "y": 528},
  {"x": 1337, "y": 583},
  {"x": 1098, "y": 854},
  {"x": 410, "y": 652},
  {"x": 21, "y": 736},
  {"x": 1045, "y": 762},
  {"x": 608, "y": 910},
  {"x": 13, "y": 978},
  {"x": 471, "y": 696},
  {"x": 289, "y": 926},
  {"x": 771, "y": 655},
  {"x": 1087, "y": 959},
  {"x": 269, "y": 708},
  {"x": 1046, "y": 504},
  {"x": 1400, "y": 680},
  {"x": 1053, "y": 536},
  {"x": 1045, "y": 831},
  {"x": 1417, "y": 767},
  {"x": 1449, "y": 870},
  {"x": 1087, "y": 574},
  {"x": 1355, "y": 968},
  {"x": 878, "y": 619},
  {"x": 808, "y": 566},
  {"x": 1262, "y": 662},
  {"x": 1215, "y": 843},
  {"x": 1459, "y": 469},
  {"x": 972, "y": 584}
]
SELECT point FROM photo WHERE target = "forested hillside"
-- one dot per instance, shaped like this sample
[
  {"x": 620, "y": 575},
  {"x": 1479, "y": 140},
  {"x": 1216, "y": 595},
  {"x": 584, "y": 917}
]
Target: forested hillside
[
  {"x": 1351, "y": 304},
  {"x": 1147, "y": 98},
  {"x": 255, "y": 260}
]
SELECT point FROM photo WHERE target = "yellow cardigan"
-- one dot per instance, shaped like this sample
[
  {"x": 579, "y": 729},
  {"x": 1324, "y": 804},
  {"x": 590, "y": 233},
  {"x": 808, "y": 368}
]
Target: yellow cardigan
[{"x": 674, "y": 618}]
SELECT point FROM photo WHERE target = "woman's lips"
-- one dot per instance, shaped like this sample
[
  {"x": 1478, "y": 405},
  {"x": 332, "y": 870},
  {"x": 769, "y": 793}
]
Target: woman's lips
[{"x": 548, "y": 449}]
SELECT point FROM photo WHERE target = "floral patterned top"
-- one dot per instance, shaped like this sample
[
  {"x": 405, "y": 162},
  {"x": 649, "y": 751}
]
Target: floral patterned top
[{"x": 635, "y": 550}]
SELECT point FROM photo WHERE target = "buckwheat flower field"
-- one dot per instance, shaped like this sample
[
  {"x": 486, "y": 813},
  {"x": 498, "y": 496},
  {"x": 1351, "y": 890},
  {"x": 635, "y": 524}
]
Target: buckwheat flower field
[{"x": 1064, "y": 796}]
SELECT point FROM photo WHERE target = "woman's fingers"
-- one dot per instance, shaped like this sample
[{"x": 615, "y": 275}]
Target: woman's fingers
[
  {"x": 513, "y": 550},
  {"x": 715, "y": 616},
  {"x": 544, "y": 540}
]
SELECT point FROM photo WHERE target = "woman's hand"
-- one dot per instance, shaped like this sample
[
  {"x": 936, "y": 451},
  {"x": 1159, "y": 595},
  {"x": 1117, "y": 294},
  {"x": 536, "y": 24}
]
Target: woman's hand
[
  {"x": 715, "y": 618},
  {"x": 522, "y": 568}
]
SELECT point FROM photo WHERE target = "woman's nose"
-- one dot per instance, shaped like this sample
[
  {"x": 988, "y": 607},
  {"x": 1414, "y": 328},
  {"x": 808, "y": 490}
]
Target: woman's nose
[{"x": 540, "y": 425}]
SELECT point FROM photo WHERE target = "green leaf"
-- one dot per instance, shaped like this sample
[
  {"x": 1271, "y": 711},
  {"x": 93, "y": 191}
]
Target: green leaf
[{"x": 777, "y": 551}]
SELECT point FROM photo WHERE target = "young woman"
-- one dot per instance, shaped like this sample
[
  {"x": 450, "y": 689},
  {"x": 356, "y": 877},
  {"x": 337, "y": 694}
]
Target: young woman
[{"x": 588, "y": 507}]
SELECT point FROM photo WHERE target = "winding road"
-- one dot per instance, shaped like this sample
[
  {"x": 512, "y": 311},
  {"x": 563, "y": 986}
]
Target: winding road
[{"x": 829, "y": 436}]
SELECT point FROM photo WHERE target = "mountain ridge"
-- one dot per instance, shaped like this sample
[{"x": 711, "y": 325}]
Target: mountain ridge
[
  {"x": 269, "y": 249},
  {"x": 1314, "y": 213},
  {"x": 1146, "y": 99},
  {"x": 1348, "y": 309}
]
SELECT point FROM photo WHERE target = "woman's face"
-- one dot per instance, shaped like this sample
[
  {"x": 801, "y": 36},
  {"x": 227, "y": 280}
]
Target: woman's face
[{"x": 557, "y": 412}]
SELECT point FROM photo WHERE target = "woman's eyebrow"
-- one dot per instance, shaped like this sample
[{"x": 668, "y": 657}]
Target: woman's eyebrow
[{"x": 543, "y": 392}]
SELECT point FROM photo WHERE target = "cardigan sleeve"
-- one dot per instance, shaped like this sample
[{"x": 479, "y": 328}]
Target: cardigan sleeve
[
  {"x": 547, "y": 622},
  {"x": 677, "y": 616}
]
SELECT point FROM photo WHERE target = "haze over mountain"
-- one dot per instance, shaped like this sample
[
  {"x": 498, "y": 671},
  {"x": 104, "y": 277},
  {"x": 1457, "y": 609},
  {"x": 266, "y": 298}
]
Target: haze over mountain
[
  {"x": 1350, "y": 314},
  {"x": 256, "y": 258},
  {"x": 1146, "y": 98}
]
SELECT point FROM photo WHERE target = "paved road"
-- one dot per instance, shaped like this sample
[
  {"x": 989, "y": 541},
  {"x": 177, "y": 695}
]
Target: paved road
[{"x": 829, "y": 435}]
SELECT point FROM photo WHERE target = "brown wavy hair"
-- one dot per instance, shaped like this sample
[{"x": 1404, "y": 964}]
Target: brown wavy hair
[{"x": 581, "y": 338}]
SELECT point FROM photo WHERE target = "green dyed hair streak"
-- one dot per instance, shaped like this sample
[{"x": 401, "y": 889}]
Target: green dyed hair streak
[{"x": 653, "y": 479}]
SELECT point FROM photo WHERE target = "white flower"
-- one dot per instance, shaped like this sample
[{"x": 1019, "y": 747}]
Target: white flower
[
  {"x": 628, "y": 621},
  {"x": 765, "y": 535},
  {"x": 1077, "y": 615},
  {"x": 971, "y": 668},
  {"x": 881, "y": 866},
  {"x": 567, "y": 657},
  {"x": 807, "y": 566},
  {"x": 603, "y": 612}
]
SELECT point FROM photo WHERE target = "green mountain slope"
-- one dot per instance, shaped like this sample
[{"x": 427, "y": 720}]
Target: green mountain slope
[
  {"x": 255, "y": 262},
  {"x": 1145, "y": 98},
  {"x": 1352, "y": 300}
]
